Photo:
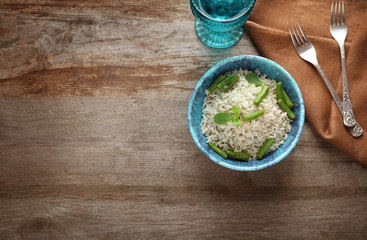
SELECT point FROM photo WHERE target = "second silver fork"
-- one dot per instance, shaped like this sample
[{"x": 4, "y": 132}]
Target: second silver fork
[{"x": 338, "y": 29}]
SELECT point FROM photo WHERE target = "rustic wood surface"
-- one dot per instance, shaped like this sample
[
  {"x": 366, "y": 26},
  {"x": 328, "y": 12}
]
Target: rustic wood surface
[{"x": 94, "y": 142}]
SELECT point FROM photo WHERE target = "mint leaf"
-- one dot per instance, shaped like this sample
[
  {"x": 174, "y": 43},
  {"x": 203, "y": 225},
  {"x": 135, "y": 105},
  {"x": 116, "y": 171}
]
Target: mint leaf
[
  {"x": 237, "y": 122},
  {"x": 236, "y": 111},
  {"x": 253, "y": 78},
  {"x": 222, "y": 118}
]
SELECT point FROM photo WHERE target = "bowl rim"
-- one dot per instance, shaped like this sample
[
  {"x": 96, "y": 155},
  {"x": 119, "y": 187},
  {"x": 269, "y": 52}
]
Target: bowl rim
[{"x": 218, "y": 159}]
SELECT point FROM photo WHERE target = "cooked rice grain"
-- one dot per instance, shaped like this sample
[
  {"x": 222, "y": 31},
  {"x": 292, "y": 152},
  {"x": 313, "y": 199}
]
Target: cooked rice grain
[{"x": 250, "y": 136}]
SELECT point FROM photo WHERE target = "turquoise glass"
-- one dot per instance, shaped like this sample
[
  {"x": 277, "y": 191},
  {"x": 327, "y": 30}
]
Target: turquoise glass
[{"x": 219, "y": 24}]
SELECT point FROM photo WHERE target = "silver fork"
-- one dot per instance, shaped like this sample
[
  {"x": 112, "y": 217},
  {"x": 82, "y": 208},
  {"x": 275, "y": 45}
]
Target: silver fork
[
  {"x": 307, "y": 52},
  {"x": 338, "y": 29}
]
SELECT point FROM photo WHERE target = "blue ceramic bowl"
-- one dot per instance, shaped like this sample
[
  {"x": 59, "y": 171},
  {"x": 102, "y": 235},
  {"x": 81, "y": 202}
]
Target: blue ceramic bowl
[{"x": 273, "y": 71}]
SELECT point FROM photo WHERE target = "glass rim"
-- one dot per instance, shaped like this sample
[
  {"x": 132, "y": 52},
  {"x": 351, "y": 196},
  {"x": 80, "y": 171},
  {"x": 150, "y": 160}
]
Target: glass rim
[{"x": 237, "y": 16}]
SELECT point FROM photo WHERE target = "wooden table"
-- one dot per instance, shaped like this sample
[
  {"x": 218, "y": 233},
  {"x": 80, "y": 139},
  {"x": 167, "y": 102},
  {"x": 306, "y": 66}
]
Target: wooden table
[{"x": 94, "y": 141}]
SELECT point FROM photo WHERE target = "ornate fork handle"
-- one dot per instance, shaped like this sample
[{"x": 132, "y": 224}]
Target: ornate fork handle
[
  {"x": 356, "y": 130},
  {"x": 348, "y": 115},
  {"x": 337, "y": 99}
]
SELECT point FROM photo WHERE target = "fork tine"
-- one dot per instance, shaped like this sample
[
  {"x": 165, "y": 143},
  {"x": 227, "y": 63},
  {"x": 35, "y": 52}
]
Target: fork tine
[
  {"x": 331, "y": 14},
  {"x": 299, "y": 35},
  {"x": 303, "y": 34},
  {"x": 294, "y": 43},
  {"x": 336, "y": 13},
  {"x": 340, "y": 14},
  {"x": 344, "y": 20},
  {"x": 295, "y": 35}
]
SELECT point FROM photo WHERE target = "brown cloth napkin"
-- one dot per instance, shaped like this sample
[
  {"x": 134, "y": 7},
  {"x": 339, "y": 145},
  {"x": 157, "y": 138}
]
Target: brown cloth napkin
[{"x": 268, "y": 27}]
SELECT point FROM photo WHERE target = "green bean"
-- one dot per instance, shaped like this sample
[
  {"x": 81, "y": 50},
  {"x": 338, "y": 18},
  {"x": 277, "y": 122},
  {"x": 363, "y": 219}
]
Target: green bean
[
  {"x": 285, "y": 107},
  {"x": 218, "y": 150},
  {"x": 253, "y": 115},
  {"x": 260, "y": 154},
  {"x": 261, "y": 95},
  {"x": 238, "y": 155},
  {"x": 279, "y": 90},
  {"x": 230, "y": 83},
  {"x": 225, "y": 81},
  {"x": 214, "y": 85},
  {"x": 287, "y": 100}
]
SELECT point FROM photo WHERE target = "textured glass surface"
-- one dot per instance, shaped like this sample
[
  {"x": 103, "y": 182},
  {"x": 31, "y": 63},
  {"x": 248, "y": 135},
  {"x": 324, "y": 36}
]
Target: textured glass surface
[{"x": 219, "y": 24}]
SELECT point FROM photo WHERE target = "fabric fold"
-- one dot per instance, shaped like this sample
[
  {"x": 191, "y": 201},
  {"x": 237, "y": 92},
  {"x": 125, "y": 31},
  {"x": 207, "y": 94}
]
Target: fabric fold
[{"x": 268, "y": 27}]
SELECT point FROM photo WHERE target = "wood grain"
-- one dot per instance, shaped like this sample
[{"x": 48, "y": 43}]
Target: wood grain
[{"x": 94, "y": 142}]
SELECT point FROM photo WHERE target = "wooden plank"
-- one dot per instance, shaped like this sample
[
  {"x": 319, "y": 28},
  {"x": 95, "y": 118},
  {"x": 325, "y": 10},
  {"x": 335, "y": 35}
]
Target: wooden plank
[
  {"x": 94, "y": 142},
  {"x": 81, "y": 168},
  {"x": 45, "y": 35}
]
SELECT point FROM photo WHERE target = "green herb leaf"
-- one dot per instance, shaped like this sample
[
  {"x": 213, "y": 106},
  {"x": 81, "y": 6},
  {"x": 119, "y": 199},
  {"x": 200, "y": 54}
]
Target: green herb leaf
[
  {"x": 253, "y": 78},
  {"x": 236, "y": 111},
  {"x": 237, "y": 122},
  {"x": 222, "y": 118}
]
